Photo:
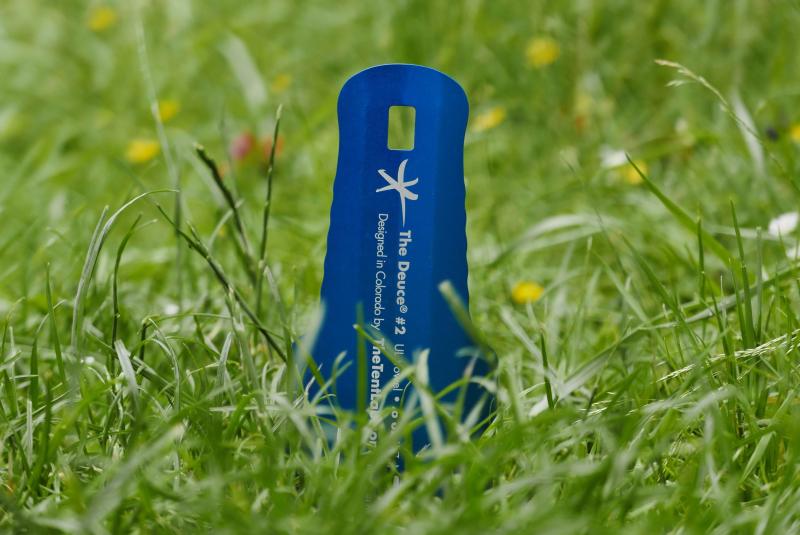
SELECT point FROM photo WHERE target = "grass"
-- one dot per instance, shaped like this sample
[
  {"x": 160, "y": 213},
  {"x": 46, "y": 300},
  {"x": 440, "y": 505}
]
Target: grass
[{"x": 152, "y": 306}]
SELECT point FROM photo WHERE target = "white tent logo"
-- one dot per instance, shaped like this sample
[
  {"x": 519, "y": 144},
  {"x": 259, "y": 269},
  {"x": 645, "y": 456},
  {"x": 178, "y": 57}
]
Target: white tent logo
[{"x": 400, "y": 186}]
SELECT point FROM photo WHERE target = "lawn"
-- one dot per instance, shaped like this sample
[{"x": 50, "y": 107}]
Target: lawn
[{"x": 632, "y": 179}]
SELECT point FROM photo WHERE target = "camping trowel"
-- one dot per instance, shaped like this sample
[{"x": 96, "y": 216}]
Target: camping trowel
[{"x": 397, "y": 231}]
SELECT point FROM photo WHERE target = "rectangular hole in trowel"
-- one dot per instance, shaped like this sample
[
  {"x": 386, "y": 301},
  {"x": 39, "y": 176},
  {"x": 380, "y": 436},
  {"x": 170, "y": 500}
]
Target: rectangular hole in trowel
[{"x": 401, "y": 128}]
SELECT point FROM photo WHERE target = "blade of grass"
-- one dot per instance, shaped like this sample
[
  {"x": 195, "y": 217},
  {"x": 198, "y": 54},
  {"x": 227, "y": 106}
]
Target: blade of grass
[
  {"x": 682, "y": 217},
  {"x": 746, "y": 315},
  {"x": 127, "y": 370},
  {"x": 241, "y": 242},
  {"x": 220, "y": 384},
  {"x": 262, "y": 249},
  {"x": 54, "y": 328},
  {"x": 43, "y": 444},
  {"x": 757, "y": 456},
  {"x": 547, "y": 387},
  {"x": 115, "y": 287},
  {"x": 361, "y": 360}
]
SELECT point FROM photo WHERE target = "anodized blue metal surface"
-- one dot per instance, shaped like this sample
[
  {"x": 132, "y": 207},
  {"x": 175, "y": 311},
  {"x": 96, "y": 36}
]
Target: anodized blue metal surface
[{"x": 397, "y": 230}]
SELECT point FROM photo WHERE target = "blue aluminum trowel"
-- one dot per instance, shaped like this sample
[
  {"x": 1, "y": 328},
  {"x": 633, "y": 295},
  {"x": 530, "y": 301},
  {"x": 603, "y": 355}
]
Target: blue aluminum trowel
[{"x": 397, "y": 231}]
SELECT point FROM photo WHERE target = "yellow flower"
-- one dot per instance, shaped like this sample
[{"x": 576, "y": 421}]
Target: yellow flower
[
  {"x": 542, "y": 51},
  {"x": 101, "y": 18},
  {"x": 489, "y": 119},
  {"x": 142, "y": 150},
  {"x": 167, "y": 109},
  {"x": 526, "y": 292},
  {"x": 629, "y": 173},
  {"x": 794, "y": 132},
  {"x": 281, "y": 83}
]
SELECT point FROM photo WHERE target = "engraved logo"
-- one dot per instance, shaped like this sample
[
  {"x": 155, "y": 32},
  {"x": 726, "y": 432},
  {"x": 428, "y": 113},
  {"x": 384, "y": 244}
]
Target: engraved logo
[{"x": 400, "y": 186}]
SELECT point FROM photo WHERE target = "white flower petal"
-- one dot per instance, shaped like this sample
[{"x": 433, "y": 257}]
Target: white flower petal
[
  {"x": 784, "y": 224},
  {"x": 611, "y": 158}
]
